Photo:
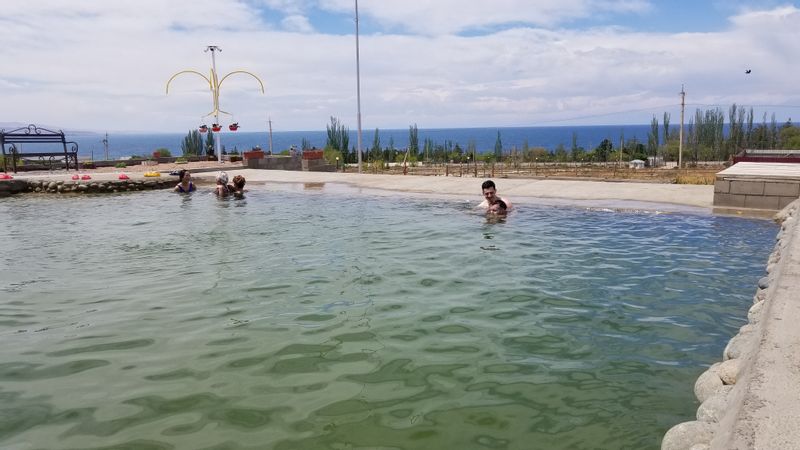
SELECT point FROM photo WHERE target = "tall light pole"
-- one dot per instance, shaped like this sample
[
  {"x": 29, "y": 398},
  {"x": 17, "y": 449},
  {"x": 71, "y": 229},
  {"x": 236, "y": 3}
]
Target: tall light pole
[
  {"x": 215, "y": 84},
  {"x": 358, "y": 90}
]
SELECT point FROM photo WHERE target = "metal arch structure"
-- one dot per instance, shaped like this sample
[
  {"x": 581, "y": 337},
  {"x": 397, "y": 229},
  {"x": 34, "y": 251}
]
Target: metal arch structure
[{"x": 214, "y": 84}]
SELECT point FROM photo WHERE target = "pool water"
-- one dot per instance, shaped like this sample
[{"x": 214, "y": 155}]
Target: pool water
[{"x": 322, "y": 318}]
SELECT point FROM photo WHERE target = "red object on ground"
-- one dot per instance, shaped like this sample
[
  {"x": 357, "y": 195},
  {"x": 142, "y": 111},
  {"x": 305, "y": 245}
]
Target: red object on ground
[
  {"x": 5, "y": 176},
  {"x": 85, "y": 177},
  {"x": 76, "y": 177},
  {"x": 312, "y": 154},
  {"x": 122, "y": 176}
]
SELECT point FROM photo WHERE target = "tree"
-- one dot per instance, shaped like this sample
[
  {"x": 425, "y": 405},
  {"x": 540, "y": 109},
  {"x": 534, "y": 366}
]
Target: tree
[
  {"x": 375, "y": 150},
  {"x": 652, "y": 138},
  {"x": 498, "y": 147},
  {"x": 604, "y": 149},
  {"x": 338, "y": 136},
  {"x": 413, "y": 142},
  {"x": 192, "y": 144}
]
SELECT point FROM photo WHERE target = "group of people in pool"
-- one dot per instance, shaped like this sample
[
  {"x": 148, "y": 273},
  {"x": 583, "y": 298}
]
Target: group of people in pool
[
  {"x": 493, "y": 204},
  {"x": 221, "y": 189}
]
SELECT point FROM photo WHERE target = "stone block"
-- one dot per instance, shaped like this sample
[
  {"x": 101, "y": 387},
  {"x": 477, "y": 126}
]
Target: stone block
[
  {"x": 747, "y": 187},
  {"x": 783, "y": 202},
  {"x": 782, "y": 189},
  {"x": 736, "y": 201},
  {"x": 761, "y": 202},
  {"x": 722, "y": 186}
]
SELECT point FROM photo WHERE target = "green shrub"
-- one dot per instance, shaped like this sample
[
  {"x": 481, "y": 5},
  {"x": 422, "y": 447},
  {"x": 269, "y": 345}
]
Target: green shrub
[
  {"x": 88, "y": 165},
  {"x": 162, "y": 153},
  {"x": 181, "y": 161},
  {"x": 120, "y": 165}
]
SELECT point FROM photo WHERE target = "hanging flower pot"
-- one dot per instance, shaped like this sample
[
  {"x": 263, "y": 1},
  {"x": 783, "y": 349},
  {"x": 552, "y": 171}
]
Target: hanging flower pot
[
  {"x": 203, "y": 128},
  {"x": 216, "y": 127},
  {"x": 233, "y": 126}
]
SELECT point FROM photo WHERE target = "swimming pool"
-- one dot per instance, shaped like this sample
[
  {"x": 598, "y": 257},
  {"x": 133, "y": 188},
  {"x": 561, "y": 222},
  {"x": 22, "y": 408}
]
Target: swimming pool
[{"x": 322, "y": 318}]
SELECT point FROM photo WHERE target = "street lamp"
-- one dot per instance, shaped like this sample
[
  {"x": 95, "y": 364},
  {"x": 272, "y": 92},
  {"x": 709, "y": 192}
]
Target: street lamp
[
  {"x": 337, "y": 163},
  {"x": 215, "y": 84}
]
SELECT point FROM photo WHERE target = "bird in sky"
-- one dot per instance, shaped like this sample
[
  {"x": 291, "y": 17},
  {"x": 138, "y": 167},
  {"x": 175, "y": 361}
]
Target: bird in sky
[{"x": 747, "y": 71}]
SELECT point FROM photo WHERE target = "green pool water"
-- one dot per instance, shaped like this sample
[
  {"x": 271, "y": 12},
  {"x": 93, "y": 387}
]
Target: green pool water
[{"x": 327, "y": 319}]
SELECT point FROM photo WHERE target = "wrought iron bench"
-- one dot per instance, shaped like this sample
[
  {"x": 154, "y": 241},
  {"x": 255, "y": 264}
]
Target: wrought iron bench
[{"x": 10, "y": 140}]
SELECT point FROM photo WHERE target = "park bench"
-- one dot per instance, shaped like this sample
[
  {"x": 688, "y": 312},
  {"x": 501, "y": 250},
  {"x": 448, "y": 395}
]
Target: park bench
[{"x": 16, "y": 143}]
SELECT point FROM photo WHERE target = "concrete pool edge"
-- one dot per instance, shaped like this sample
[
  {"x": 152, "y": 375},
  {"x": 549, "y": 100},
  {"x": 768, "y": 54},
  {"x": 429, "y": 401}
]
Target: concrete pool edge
[{"x": 751, "y": 399}]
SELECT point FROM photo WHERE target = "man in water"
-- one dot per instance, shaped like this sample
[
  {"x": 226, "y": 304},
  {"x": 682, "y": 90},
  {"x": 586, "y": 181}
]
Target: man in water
[
  {"x": 498, "y": 209},
  {"x": 490, "y": 196}
]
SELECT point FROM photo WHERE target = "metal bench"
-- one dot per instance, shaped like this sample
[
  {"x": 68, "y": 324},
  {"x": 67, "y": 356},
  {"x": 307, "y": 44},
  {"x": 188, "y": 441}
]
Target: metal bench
[{"x": 10, "y": 140}]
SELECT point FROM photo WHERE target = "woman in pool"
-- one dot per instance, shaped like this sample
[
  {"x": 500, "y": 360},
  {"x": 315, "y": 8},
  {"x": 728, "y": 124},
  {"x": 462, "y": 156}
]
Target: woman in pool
[
  {"x": 221, "y": 189},
  {"x": 185, "y": 182}
]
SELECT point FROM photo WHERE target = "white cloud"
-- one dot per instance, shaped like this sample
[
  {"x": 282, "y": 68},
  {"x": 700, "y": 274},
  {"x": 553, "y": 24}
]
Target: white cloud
[
  {"x": 104, "y": 65},
  {"x": 452, "y": 16},
  {"x": 297, "y": 23}
]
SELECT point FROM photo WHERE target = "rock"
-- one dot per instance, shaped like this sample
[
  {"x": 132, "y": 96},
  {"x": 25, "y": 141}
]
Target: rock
[
  {"x": 707, "y": 384},
  {"x": 760, "y": 296},
  {"x": 713, "y": 409},
  {"x": 754, "y": 314},
  {"x": 82, "y": 188},
  {"x": 729, "y": 370},
  {"x": 38, "y": 189},
  {"x": 763, "y": 283},
  {"x": 739, "y": 346},
  {"x": 700, "y": 447},
  {"x": 685, "y": 435},
  {"x": 51, "y": 185}
]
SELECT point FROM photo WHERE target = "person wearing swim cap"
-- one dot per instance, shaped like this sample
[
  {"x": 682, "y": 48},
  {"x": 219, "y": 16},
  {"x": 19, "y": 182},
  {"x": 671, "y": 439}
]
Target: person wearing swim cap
[{"x": 221, "y": 189}]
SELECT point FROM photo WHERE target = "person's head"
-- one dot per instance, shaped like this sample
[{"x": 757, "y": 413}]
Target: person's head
[
  {"x": 238, "y": 182},
  {"x": 222, "y": 178},
  {"x": 184, "y": 176},
  {"x": 489, "y": 191},
  {"x": 499, "y": 208}
]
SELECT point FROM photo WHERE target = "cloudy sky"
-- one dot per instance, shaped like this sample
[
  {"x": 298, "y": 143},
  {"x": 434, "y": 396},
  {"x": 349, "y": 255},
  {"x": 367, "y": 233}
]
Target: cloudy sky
[{"x": 103, "y": 65}]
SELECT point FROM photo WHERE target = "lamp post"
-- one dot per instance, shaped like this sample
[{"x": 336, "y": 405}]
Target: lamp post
[
  {"x": 337, "y": 163},
  {"x": 215, "y": 84}
]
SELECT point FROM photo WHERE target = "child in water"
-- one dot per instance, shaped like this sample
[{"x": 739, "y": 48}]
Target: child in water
[
  {"x": 237, "y": 188},
  {"x": 498, "y": 208}
]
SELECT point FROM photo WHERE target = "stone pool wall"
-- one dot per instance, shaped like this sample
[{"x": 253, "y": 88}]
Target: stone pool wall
[
  {"x": 751, "y": 399},
  {"x": 10, "y": 187}
]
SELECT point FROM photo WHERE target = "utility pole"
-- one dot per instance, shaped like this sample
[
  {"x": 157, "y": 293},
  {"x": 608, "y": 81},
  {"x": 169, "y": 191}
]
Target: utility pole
[
  {"x": 269, "y": 120},
  {"x": 358, "y": 90},
  {"x": 680, "y": 133}
]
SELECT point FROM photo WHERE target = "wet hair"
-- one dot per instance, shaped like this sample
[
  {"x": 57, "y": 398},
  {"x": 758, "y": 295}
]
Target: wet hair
[
  {"x": 181, "y": 174},
  {"x": 488, "y": 184},
  {"x": 238, "y": 182},
  {"x": 502, "y": 204},
  {"x": 222, "y": 178}
]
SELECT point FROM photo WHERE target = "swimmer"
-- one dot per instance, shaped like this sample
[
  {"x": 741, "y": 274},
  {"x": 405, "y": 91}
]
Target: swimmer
[
  {"x": 237, "y": 186},
  {"x": 185, "y": 182},
  {"x": 490, "y": 196},
  {"x": 498, "y": 208},
  {"x": 221, "y": 189}
]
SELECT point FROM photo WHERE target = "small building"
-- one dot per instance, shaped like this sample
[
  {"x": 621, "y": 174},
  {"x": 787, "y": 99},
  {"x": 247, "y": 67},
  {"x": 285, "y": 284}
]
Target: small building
[
  {"x": 636, "y": 164},
  {"x": 655, "y": 161}
]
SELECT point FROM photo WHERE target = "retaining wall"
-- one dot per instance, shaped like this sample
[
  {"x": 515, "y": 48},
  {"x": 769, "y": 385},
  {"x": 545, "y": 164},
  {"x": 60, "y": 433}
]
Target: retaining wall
[
  {"x": 10, "y": 187},
  {"x": 751, "y": 399}
]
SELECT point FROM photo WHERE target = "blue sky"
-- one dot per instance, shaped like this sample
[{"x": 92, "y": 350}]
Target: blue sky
[{"x": 449, "y": 63}]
